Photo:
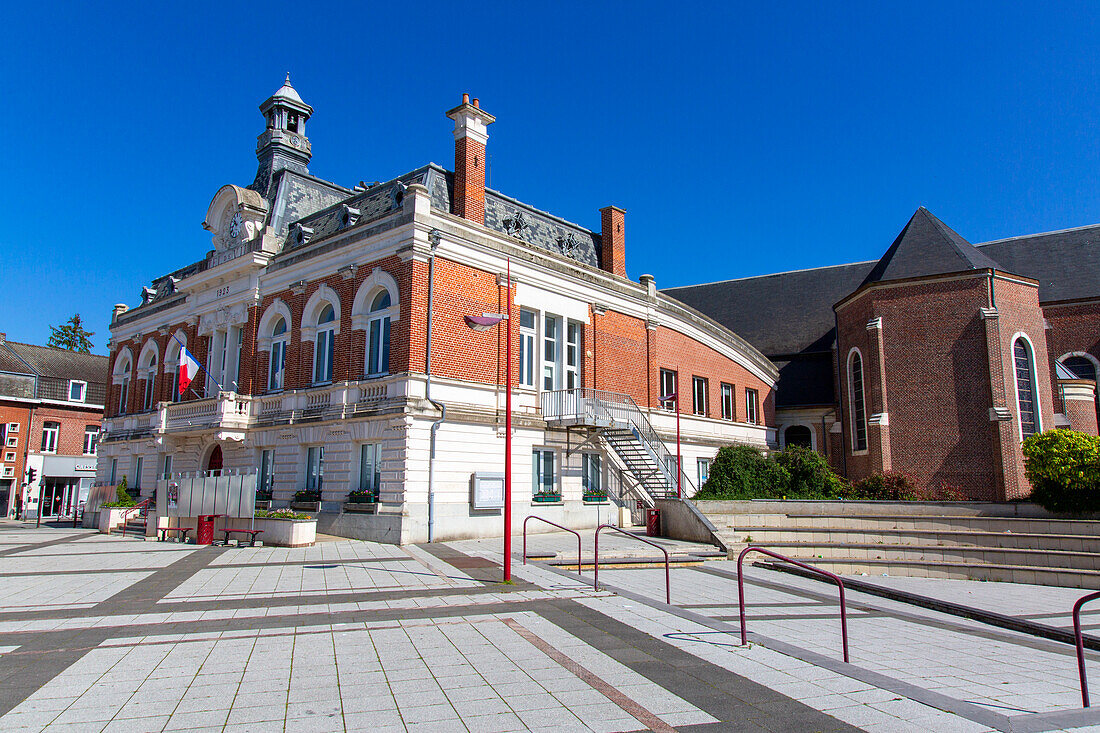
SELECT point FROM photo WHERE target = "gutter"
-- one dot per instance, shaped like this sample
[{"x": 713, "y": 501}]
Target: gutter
[{"x": 433, "y": 237}]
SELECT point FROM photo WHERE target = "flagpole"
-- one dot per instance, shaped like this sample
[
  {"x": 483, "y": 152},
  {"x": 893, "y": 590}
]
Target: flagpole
[{"x": 200, "y": 366}]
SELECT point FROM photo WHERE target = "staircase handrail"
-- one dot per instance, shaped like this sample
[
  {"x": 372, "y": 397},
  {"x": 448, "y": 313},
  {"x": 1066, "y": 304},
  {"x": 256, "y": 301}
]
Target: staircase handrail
[
  {"x": 831, "y": 576},
  {"x": 553, "y": 524},
  {"x": 621, "y": 408},
  {"x": 127, "y": 511},
  {"x": 1081, "y": 644},
  {"x": 620, "y": 530}
]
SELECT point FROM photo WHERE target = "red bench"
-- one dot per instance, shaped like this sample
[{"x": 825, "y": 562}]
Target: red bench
[
  {"x": 182, "y": 530},
  {"x": 252, "y": 534}
]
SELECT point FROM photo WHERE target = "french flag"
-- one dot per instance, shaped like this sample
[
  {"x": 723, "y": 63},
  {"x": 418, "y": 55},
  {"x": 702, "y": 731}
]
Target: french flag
[{"x": 189, "y": 368}]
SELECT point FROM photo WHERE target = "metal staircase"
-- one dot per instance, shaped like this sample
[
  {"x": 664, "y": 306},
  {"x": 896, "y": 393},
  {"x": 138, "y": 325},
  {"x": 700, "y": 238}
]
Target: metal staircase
[{"x": 625, "y": 428}]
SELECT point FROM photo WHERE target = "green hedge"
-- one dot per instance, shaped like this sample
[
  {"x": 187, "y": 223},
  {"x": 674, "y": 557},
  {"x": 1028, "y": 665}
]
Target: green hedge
[
  {"x": 741, "y": 472},
  {"x": 1063, "y": 467}
]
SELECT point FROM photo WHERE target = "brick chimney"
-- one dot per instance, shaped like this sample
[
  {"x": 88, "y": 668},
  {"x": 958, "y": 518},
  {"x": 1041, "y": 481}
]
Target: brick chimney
[
  {"x": 613, "y": 240},
  {"x": 471, "y": 134}
]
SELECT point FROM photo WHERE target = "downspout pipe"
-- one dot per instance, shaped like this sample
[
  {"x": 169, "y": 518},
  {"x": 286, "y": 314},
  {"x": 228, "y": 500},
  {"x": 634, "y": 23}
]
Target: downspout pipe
[{"x": 433, "y": 238}]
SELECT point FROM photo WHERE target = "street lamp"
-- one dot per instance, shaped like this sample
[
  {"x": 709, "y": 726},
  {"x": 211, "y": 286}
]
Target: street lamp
[
  {"x": 675, "y": 397},
  {"x": 483, "y": 323}
]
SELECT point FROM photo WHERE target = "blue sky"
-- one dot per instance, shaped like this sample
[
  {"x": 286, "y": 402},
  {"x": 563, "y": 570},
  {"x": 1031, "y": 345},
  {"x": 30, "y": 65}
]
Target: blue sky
[{"x": 740, "y": 138}]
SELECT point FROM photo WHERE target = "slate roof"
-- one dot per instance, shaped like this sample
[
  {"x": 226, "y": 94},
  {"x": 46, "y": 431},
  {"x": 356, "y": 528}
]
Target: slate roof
[
  {"x": 46, "y": 361},
  {"x": 791, "y": 313},
  {"x": 1066, "y": 263},
  {"x": 785, "y": 313},
  {"x": 927, "y": 246}
]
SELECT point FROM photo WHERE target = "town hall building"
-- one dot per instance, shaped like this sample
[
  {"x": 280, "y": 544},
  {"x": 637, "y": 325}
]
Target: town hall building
[{"x": 355, "y": 352}]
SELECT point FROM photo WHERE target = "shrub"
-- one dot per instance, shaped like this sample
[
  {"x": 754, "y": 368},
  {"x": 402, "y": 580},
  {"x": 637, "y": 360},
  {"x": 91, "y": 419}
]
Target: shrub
[
  {"x": 1063, "y": 467},
  {"x": 742, "y": 472},
  {"x": 888, "y": 486},
  {"x": 122, "y": 497},
  {"x": 810, "y": 474}
]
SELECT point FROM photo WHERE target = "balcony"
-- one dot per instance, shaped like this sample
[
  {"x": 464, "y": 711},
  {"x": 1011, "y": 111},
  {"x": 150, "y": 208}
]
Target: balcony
[{"x": 230, "y": 414}]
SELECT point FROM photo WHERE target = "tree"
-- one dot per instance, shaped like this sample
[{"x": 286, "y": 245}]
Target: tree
[{"x": 71, "y": 335}]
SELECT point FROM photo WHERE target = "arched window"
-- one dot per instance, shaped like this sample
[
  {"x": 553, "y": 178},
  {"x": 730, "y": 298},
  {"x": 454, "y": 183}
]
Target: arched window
[
  {"x": 797, "y": 435},
  {"x": 1081, "y": 366},
  {"x": 124, "y": 386},
  {"x": 149, "y": 376},
  {"x": 324, "y": 346},
  {"x": 378, "y": 335},
  {"x": 1027, "y": 398},
  {"x": 277, "y": 365},
  {"x": 856, "y": 400}
]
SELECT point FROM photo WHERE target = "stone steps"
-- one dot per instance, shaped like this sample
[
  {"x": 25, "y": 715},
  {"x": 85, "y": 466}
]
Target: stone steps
[
  {"x": 910, "y": 536},
  {"x": 1016, "y": 525},
  {"x": 1040, "y": 550},
  {"x": 1063, "y": 577},
  {"x": 1012, "y": 556}
]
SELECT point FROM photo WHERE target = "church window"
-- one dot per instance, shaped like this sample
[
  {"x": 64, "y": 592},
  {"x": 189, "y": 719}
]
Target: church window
[
  {"x": 1081, "y": 366},
  {"x": 856, "y": 400},
  {"x": 1027, "y": 400}
]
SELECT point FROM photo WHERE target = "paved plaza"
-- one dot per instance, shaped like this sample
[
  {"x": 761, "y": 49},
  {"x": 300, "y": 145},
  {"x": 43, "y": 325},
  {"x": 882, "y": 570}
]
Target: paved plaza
[{"x": 106, "y": 633}]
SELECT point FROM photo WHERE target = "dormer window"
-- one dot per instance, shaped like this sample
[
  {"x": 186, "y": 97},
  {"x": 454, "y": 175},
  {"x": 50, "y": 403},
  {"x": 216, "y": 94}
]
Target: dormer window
[
  {"x": 77, "y": 391},
  {"x": 349, "y": 216},
  {"x": 301, "y": 234}
]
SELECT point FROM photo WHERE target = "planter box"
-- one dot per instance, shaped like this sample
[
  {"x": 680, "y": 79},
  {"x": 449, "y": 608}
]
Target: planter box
[
  {"x": 361, "y": 507},
  {"x": 110, "y": 517},
  {"x": 305, "y": 506},
  {"x": 263, "y": 503},
  {"x": 546, "y": 499},
  {"x": 595, "y": 500},
  {"x": 283, "y": 532}
]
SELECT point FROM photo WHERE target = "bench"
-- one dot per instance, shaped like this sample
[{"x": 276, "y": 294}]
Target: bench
[
  {"x": 252, "y": 534},
  {"x": 182, "y": 530}
]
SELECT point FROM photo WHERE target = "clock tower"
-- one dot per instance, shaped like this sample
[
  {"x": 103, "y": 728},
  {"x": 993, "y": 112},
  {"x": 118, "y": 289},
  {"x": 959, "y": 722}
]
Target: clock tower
[{"x": 284, "y": 143}]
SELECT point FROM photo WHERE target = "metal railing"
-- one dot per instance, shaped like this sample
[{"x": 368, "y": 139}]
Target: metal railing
[
  {"x": 835, "y": 578},
  {"x": 596, "y": 562},
  {"x": 141, "y": 508},
  {"x": 1081, "y": 644},
  {"x": 600, "y": 408},
  {"x": 552, "y": 524}
]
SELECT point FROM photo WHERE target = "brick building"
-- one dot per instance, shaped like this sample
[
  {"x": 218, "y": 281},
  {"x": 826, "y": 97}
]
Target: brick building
[
  {"x": 51, "y": 408},
  {"x": 937, "y": 360},
  {"x": 349, "y": 343}
]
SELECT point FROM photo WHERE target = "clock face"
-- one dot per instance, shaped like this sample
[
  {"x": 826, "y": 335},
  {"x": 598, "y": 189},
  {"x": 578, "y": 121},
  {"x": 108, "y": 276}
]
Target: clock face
[{"x": 235, "y": 225}]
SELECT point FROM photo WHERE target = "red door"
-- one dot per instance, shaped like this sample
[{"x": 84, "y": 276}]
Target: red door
[{"x": 214, "y": 463}]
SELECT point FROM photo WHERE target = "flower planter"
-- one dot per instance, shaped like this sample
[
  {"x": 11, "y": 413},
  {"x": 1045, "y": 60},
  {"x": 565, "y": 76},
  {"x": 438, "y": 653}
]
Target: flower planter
[
  {"x": 283, "y": 532},
  {"x": 546, "y": 499},
  {"x": 110, "y": 517},
  {"x": 263, "y": 503},
  {"x": 361, "y": 507},
  {"x": 306, "y": 506},
  {"x": 601, "y": 499}
]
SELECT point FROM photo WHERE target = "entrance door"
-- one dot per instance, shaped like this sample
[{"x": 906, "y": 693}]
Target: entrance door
[
  {"x": 214, "y": 463},
  {"x": 5, "y": 495}
]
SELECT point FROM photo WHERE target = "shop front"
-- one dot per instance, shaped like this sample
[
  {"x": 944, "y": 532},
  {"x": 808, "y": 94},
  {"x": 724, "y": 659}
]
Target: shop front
[{"x": 64, "y": 485}]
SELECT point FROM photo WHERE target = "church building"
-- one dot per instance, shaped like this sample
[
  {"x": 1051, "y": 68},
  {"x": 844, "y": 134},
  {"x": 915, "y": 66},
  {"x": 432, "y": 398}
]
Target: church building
[
  {"x": 355, "y": 348},
  {"x": 937, "y": 360}
]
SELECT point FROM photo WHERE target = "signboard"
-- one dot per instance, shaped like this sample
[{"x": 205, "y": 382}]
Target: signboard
[{"x": 486, "y": 491}]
